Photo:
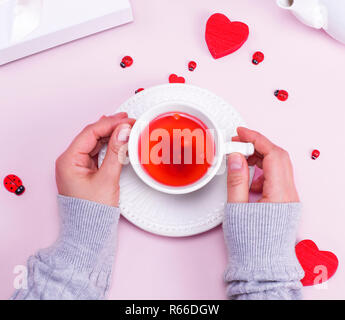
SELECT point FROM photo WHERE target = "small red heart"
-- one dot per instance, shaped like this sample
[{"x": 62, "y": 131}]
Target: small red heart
[
  {"x": 318, "y": 265},
  {"x": 223, "y": 36},
  {"x": 175, "y": 79}
]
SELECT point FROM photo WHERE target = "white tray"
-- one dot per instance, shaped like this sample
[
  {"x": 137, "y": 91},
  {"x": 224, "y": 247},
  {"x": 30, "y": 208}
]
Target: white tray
[
  {"x": 62, "y": 21},
  {"x": 176, "y": 215}
]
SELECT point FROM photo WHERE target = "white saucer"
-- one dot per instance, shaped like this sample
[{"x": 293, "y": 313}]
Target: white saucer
[{"x": 176, "y": 215}]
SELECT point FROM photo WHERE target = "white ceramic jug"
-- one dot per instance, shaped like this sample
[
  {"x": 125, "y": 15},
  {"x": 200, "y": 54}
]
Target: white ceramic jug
[
  {"x": 18, "y": 18},
  {"x": 320, "y": 14}
]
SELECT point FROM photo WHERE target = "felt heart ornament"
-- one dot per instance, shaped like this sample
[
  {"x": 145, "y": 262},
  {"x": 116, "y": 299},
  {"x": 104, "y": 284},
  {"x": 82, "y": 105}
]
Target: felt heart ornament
[
  {"x": 175, "y": 79},
  {"x": 318, "y": 265},
  {"x": 223, "y": 36}
]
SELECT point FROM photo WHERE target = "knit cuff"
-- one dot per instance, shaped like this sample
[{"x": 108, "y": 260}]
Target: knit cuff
[
  {"x": 86, "y": 227},
  {"x": 261, "y": 241}
]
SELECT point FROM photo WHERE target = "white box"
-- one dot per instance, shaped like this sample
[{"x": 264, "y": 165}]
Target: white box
[{"x": 63, "y": 21}]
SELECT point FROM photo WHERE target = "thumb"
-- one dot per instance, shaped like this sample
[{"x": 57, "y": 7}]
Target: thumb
[
  {"x": 116, "y": 153},
  {"x": 238, "y": 178}
]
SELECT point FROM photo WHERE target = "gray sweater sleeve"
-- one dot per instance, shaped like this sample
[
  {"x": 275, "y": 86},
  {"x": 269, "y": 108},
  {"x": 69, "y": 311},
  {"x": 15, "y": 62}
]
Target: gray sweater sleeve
[
  {"x": 260, "y": 238},
  {"x": 79, "y": 264}
]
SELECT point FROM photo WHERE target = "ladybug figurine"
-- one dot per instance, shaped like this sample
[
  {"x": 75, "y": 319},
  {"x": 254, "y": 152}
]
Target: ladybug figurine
[
  {"x": 192, "y": 65},
  {"x": 13, "y": 184},
  {"x": 315, "y": 154},
  {"x": 258, "y": 57},
  {"x": 126, "y": 61},
  {"x": 282, "y": 95},
  {"x": 139, "y": 90}
]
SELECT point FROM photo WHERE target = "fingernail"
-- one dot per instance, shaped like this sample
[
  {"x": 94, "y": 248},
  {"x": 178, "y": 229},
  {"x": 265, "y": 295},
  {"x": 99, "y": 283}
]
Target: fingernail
[
  {"x": 123, "y": 135},
  {"x": 235, "y": 162}
]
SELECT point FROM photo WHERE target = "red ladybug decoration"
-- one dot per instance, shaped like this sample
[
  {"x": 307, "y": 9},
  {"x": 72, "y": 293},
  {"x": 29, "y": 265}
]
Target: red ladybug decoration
[
  {"x": 282, "y": 95},
  {"x": 192, "y": 65},
  {"x": 13, "y": 184},
  {"x": 258, "y": 57},
  {"x": 315, "y": 154},
  {"x": 139, "y": 90},
  {"x": 126, "y": 61}
]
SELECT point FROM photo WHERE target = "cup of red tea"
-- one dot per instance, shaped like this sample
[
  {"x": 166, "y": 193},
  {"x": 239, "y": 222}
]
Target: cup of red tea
[{"x": 176, "y": 148}]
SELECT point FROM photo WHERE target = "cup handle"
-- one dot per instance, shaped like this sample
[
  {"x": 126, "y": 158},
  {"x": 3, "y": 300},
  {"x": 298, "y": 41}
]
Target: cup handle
[{"x": 247, "y": 149}]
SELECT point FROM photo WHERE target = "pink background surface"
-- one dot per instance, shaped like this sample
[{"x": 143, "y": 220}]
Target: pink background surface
[{"x": 45, "y": 100}]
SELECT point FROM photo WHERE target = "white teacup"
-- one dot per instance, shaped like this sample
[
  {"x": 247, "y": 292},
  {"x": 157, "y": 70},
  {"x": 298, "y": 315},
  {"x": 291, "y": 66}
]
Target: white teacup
[{"x": 222, "y": 147}]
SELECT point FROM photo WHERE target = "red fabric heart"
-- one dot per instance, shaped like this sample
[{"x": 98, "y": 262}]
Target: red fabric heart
[
  {"x": 318, "y": 265},
  {"x": 223, "y": 36},
  {"x": 175, "y": 79}
]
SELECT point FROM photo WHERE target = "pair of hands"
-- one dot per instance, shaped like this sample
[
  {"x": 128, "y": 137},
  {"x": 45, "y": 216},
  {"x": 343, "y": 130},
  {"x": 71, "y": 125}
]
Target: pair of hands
[{"x": 77, "y": 173}]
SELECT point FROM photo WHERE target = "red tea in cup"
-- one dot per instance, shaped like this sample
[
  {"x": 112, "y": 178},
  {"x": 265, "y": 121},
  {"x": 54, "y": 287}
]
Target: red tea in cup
[{"x": 176, "y": 149}]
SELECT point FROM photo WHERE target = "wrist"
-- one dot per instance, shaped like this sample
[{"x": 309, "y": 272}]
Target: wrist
[
  {"x": 261, "y": 239},
  {"x": 86, "y": 227}
]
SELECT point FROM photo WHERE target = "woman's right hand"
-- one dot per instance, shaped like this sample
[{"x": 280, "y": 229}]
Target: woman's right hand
[
  {"x": 276, "y": 183},
  {"x": 77, "y": 172}
]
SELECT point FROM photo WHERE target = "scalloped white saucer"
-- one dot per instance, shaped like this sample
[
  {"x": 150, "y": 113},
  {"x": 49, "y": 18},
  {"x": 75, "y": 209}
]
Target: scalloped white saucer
[{"x": 176, "y": 215}]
